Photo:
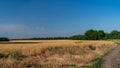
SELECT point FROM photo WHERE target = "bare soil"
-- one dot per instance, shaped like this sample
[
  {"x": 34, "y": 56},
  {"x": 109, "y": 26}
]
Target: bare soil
[{"x": 112, "y": 60}]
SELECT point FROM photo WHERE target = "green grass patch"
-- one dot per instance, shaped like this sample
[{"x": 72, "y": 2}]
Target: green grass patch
[
  {"x": 97, "y": 63},
  {"x": 115, "y": 40}
]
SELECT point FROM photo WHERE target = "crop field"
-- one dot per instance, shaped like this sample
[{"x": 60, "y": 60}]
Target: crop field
[{"x": 51, "y": 53}]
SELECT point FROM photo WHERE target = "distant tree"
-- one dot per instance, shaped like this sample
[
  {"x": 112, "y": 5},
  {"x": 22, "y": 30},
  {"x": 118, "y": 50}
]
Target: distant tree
[
  {"x": 82, "y": 37},
  {"x": 101, "y": 34},
  {"x": 91, "y": 35},
  {"x": 115, "y": 34},
  {"x": 107, "y": 36},
  {"x": 49, "y": 38},
  {"x": 97, "y": 35},
  {"x": 4, "y": 39},
  {"x": 78, "y": 37}
]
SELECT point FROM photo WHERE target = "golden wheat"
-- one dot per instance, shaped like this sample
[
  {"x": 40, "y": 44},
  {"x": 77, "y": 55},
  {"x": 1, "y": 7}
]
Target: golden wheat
[{"x": 55, "y": 52}]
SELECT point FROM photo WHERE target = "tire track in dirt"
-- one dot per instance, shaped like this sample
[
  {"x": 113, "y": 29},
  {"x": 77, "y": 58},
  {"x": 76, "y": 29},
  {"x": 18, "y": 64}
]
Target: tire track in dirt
[{"x": 109, "y": 59}]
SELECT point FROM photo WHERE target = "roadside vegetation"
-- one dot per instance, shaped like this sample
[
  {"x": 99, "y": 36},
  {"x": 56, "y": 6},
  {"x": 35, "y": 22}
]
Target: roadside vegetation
[
  {"x": 97, "y": 63},
  {"x": 115, "y": 40}
]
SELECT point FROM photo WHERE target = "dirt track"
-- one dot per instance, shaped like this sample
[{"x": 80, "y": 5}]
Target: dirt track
[{"x": 112, "y": 59}]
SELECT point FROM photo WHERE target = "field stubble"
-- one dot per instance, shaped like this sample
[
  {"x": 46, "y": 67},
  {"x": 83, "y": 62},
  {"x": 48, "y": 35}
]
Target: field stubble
[{"x": 51, "y": 53}]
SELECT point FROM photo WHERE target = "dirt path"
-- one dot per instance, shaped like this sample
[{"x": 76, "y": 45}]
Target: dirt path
[{"x": 109, "y": 60}]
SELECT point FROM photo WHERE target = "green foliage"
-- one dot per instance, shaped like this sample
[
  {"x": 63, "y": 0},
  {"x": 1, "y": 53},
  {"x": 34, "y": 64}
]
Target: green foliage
[
  {"x": 97, "y": 35},
  {"x": 115, "y": 40},
  {"x": 97, "y": 63},
  {"x": 78, "y": 37},
  {"x": 46, "y": 38},
  {"x": 101, "y": 34},
  {"x": 4, "y": 39},
  {"x": 91, "y": 35},
  {"x": 115, "y": 34},
  {"x": 107, "y": 36}
]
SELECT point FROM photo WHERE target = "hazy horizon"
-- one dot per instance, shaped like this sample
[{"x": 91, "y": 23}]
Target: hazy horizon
[{"x": 46, "y": 18}]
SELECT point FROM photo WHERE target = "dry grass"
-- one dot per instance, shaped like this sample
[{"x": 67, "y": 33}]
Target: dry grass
[{"x": 22, "y": 54}]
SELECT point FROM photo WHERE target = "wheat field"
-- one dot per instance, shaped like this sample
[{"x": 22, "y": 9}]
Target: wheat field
[{"x": 51, "y": 53}]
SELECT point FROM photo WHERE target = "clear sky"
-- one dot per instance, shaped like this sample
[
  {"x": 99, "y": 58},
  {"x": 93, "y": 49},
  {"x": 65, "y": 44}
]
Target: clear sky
[{"x": 44, "y": 18}]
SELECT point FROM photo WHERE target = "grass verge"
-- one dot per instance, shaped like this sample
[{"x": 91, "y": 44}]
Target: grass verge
[{"x": 97, "y": 63}]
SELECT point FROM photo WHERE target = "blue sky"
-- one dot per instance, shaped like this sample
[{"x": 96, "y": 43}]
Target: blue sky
[{"x": 45, "y": 18}]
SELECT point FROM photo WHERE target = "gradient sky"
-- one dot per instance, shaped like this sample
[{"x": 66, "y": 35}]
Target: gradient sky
[{"x": 45, "y": 18}]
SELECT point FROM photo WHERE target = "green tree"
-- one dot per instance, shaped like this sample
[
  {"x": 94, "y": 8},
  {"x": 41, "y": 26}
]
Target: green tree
[
  {"x": 115, "y": 34},
  {"x": 91, "y": 35},
  {"x": 101, "y": 34},
  {"x": 107, "y": 36},
  {"x": 78, "y": 37},
  {"x": 4, "y": 39}
]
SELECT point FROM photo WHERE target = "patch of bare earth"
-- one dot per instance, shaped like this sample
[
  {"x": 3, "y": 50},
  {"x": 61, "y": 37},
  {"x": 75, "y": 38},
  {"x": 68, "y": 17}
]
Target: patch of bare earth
[{"x": 112, "y": 60}]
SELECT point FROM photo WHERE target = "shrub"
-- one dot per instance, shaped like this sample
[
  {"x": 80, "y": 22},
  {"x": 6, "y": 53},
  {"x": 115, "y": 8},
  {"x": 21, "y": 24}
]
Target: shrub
[
  {"x": 91, "y": 35},
  {"x": 78, "y": 37},
  {"x": 4, "y": 39}
]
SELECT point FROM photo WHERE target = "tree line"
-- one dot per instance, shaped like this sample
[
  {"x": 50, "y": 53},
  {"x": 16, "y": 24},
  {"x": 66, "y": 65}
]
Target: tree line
[
  {"x": 97, "y": 35},
  {"x": 44, "y": 38},
  {"x": 50, "y": 38},
  {"x": 88, "y": 35},
  {"x": 4, "y": 39}
]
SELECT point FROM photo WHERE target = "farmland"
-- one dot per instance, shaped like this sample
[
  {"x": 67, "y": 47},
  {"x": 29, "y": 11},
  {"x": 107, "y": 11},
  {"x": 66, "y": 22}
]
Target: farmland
[{"x": 51, "y": 53}]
